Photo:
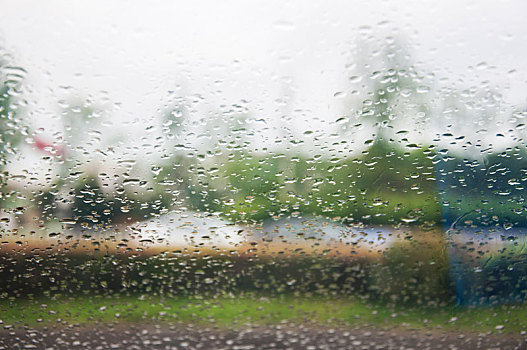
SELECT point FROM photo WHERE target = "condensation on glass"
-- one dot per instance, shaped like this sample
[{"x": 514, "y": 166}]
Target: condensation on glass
[{"x": 250, "y": 176}]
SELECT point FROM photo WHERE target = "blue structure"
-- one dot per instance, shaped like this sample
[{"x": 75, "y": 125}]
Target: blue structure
[{"x": 483, "y": 213}]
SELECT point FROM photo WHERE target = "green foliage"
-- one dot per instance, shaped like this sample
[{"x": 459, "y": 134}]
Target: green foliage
[
  {"x": 239, "y": 311},
  {"x": 487, "y": 192},
  {"x": 492, "y": 277},
  {"x": 414, "y": 271},
  {"x": 383, "y": 186},
  {"x": 43, "y": 274},
  {"x": 10, "y": 135},
  {"x": 90, "y": 206},
  {"x": 11, "y": 129}
]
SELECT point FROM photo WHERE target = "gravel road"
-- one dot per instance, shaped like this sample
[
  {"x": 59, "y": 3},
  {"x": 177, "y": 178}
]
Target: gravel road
[{"x": 272, "y": 337}]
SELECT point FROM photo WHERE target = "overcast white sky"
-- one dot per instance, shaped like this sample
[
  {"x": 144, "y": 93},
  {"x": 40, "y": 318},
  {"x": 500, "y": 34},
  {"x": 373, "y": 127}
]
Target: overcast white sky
[{"x": 133, "y": 53}]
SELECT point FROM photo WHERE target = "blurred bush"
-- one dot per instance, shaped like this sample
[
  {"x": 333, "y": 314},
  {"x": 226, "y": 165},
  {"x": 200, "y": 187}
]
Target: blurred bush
[
  {"x": 413, "y": 271},
  {"x": 404, "y": 275}
]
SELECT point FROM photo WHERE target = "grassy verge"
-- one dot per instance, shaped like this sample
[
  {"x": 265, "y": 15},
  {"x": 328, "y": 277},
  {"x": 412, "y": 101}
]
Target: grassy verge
[{"x": 239, "y": 311}]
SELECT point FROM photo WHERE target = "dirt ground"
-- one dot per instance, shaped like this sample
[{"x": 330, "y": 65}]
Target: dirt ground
[{"x": 273, "y": 337}]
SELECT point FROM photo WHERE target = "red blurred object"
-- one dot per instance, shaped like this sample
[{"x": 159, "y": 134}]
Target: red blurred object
[{"x": 48, "y": 148}]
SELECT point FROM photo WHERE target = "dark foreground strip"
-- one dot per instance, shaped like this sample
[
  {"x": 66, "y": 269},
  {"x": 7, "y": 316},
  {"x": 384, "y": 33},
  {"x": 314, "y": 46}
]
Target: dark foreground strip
[{"x": 273, "y": 337}]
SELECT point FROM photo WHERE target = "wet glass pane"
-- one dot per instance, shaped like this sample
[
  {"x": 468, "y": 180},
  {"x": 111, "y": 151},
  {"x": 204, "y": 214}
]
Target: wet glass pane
[{"x": 283, "y": 175}]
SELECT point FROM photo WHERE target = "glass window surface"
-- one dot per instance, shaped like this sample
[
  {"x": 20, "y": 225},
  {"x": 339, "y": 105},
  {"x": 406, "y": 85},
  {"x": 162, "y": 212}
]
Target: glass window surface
[{"x": 263, "y": 175}]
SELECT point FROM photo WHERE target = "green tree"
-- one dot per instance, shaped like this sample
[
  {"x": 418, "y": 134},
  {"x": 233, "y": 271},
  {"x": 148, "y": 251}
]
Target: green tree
[
  {"x": 387, "y": 89},
  {"x": 11, "y": 127}
]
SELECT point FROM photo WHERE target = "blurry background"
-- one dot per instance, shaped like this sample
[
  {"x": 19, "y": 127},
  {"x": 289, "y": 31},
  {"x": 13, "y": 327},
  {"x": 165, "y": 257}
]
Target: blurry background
[{"x": 374, "y": 150}]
